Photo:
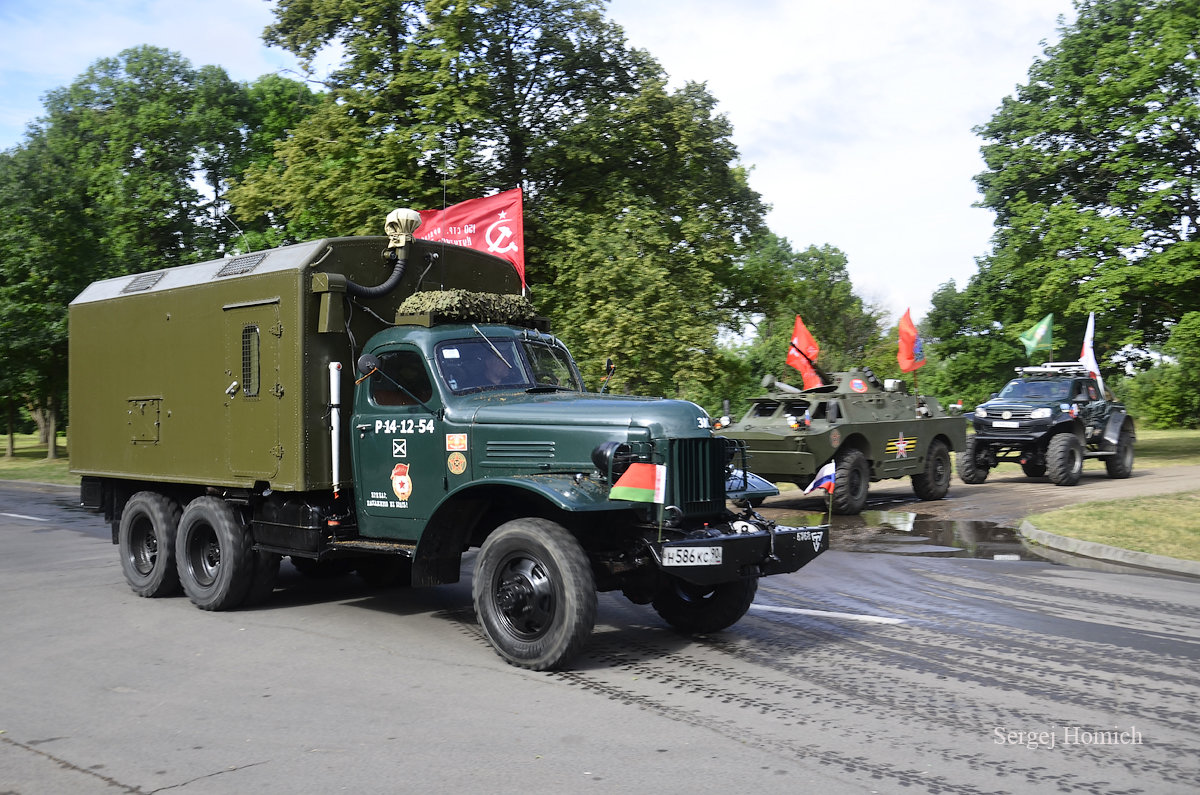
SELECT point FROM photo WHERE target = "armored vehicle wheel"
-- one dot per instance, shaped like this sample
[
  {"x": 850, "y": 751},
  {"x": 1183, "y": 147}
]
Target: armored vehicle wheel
[
  {"x": 934, "y": 482},
  {"x": 1121, "y": 464},
  {"x": 704, "y": 608},
  {"x": 1033, "y": 470},
  {"x": 970, "y": 468},
  {"x": 851, "y": 481},
  {"x": 146, "y": 540},
  {"x": 534, "y": 593},
  {"x": 266, "y": 572},
  {"x": 1064, "y": 459},
  {"x": 212, "y": 552}
]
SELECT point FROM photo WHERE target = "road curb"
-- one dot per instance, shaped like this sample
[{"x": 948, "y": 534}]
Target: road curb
[{"x": 1103, "y": 552}]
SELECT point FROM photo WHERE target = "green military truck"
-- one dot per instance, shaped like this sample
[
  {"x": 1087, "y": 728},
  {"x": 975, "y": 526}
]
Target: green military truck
[
  {"x": 217, "y": 424},
  {"x": 870, "y": 430}
]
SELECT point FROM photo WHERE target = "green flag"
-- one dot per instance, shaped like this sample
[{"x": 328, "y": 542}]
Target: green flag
[{"x": 1039, "y": 337}]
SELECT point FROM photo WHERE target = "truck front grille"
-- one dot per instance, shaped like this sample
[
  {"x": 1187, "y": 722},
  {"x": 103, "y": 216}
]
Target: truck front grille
[{"x": 696, "y": 475}]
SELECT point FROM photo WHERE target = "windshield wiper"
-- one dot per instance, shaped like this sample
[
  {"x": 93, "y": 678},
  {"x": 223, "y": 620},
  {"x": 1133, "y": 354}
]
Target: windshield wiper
[{"x": 493, "y": 347}]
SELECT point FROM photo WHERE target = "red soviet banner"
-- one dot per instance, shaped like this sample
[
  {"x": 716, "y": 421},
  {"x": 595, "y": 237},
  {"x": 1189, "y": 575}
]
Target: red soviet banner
[{"x": 493, "y": 224}]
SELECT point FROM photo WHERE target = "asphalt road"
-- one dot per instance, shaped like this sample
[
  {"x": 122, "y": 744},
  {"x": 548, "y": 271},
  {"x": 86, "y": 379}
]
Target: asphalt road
[{"x": 860, "y": 673}]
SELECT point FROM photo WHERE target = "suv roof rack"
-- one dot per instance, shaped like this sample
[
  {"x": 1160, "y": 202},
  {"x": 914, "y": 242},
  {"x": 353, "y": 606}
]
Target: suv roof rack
[{"x": 1054, "y": 368}]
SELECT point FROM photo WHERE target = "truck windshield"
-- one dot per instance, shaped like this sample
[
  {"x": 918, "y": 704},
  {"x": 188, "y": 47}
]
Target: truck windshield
[
  {"x": 475, "y": 365},
  {"x": 1019, "y": 389}
]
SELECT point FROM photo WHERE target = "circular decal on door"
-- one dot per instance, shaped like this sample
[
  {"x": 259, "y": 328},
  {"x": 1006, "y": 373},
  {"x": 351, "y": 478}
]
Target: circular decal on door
[
  {"x": 456, "y": 463},
  {"x": 858, "y": 385}
]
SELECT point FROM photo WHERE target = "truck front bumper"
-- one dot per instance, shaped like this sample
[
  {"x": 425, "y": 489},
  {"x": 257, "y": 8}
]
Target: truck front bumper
[{"x": 725, "y": 558}]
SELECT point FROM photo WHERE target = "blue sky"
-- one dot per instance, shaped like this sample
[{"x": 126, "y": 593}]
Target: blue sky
[{"x": 854, "y": 116}]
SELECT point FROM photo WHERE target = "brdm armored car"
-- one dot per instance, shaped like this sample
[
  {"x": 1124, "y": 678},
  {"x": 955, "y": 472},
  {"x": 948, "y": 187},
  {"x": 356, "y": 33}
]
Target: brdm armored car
[
  {"x": 872, "y": 430},
  {"x": 230, "y": 413},
  {"x": 1049, "y": 419}
]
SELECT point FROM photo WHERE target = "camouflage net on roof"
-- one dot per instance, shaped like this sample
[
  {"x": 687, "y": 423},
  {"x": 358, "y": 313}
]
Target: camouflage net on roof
[{"x": 468, "y": 307}]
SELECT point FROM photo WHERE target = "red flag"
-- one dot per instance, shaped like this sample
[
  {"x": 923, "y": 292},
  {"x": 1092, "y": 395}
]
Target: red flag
[
  {"x": 494, "y": 224},
  {"x": 803, "y": 345},
  {"x": 912, "y": 351}
]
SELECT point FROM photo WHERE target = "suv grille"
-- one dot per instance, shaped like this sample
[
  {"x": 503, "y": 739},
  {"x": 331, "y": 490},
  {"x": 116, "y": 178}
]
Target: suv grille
[
  {"x": 1014, "y": 412},
  {"x": 696, "y": 475}
]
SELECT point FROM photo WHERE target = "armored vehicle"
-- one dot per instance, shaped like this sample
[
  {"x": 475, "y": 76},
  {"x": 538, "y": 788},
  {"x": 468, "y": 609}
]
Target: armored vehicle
[
  {"x": 217, "y": 425},
  {"x": 871, "y": 430},
  {"x": 1049, "y": 419}
]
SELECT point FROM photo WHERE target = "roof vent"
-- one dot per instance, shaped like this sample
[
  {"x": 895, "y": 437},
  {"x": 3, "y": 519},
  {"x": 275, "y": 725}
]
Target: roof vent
[
  {"x": 143, "y": 281},
  {"x": 240, "y": 265}
]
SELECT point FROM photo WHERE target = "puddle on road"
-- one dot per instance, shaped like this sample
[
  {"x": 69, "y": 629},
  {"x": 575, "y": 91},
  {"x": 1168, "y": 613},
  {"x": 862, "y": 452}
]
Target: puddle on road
[{"x": 906, "y": 533}]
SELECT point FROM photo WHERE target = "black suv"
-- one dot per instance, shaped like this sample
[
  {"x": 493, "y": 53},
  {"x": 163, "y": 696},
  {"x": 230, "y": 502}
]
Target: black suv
[{"x": 1048, "y": 419}]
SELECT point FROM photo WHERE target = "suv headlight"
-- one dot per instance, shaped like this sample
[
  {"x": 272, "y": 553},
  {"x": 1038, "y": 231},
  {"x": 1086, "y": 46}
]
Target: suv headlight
[
  {"x": 1040, "y": 414},
  {"x": 980, "y": 411}
]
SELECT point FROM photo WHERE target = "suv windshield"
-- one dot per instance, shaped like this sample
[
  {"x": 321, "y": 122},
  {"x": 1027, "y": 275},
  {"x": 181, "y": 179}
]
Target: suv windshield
[
  {"x": 504, "y": 363},
  {"x": 1020, "y": 389}
]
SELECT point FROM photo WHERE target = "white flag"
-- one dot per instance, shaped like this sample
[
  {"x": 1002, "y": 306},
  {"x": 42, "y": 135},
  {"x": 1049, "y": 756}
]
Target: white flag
[{"x": 1087, "y": 357}]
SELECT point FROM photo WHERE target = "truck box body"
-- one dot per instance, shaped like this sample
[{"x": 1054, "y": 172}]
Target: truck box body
[{"x": 221, "y": 376}]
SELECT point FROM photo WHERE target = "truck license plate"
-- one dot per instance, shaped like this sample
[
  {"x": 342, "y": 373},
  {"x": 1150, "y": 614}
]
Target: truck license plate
[
  {"x": 692, "y": 556},
  {"x": 1006, "y": 424}
]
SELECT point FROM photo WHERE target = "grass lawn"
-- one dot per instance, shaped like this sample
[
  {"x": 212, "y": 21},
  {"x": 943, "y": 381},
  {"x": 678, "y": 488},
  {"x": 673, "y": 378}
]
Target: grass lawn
[
  {"x": 1164, "y": 525},
  {"x": 29, "y": 461}
]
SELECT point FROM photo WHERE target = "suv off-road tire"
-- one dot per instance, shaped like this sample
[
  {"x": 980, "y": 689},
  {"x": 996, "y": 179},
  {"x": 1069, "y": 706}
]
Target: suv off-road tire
[
  {"x": 1034, "y": 470},
  {"x": 1064, "y": 459},
  {"x": 534, "y": 593},
  {"x": 146, "y": 540},
  {"x": 704, "y": 608},
  {"x": 213, "y": 554},
  {"x": 852, "y": 479},
  {"x": 934, "y": 482},
  {"x": 1120, "y": 465},
  {"x": 970, "y": 470}
]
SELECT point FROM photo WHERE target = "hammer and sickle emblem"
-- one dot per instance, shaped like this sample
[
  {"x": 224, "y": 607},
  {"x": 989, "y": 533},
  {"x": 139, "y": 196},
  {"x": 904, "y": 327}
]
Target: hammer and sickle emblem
[{"x": 496, "y": 244}]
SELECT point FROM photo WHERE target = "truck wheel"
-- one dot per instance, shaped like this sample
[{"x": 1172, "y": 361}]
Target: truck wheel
[
  {"x": 534, "y": 593},
  {"x": 851, "y": 480},
  {"x": 934, "y": 482},
  {"x": 1064, "y": 459},
  {"x": 212, "y": 552},
  {"x": 1121, "y": 464},
  {"x": 266, "y": 573},
  {"x": 704, "y": 608},
  {"x": 1033, "y": 470},
  {"x": 146, "y": 540},
  {"x": 970, "y": 468}
]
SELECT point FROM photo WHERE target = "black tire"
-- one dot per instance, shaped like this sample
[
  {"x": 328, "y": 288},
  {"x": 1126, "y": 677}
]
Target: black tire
[
  {"x": 970, "y": 468},
  {"x": 1064, "y": 459},
  {"x": 534, "y": 593},
  {"x": 1034, "y": 470},
  {"x": 212, "y": 552},
  {"x": 385, "y": 571},
  {"x": 851, "y": 480},
  {"x": 1121, "y": 464},
  {"x": 266, "y": 573},
  {"x": 704, "y": 608},
  {"x": 146, "y": 540},
  {"x": 934, "y": 482}
]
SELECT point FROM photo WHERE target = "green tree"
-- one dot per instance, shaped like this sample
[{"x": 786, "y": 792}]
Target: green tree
[{"x": 1092, "y": 171}]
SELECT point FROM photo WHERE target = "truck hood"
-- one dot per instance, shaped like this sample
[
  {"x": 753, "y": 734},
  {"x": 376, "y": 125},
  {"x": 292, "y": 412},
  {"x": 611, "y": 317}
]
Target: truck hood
[{"x": 662, "y": 417}]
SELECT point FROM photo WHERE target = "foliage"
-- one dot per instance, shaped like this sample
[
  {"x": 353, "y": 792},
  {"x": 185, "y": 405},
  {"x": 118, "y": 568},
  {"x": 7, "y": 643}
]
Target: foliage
[
  {"x": 1092, "y": 172},
  {"x": 1166, "y": 395}
]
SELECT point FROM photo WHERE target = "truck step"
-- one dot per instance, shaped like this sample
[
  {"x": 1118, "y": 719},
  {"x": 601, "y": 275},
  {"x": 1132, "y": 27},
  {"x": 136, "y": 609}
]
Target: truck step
[{"x": 384, "y": 547}]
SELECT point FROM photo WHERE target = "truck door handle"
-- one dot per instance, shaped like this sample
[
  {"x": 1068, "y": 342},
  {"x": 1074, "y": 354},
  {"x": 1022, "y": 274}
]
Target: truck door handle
[
  {"x": 363, "y": 428},
  {"x": 232, "y": 390}
]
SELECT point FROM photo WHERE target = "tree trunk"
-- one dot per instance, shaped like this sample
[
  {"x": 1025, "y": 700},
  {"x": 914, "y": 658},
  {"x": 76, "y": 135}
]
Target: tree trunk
[
  {"x": 39, "y": 418},
  {"x": 11, "y": 416},
  {"x": 51, "y": 431}
]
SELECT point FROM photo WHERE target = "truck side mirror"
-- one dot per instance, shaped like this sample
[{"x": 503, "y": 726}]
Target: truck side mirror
[{"x": 367, "y": 363}]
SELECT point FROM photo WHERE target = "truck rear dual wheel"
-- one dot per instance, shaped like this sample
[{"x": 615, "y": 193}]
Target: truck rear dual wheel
[
  {"x": 1064, "y": 459},
  {"x": 704, "y": 608},
  {"x": 217, "y": 566},
  {"x": 534, "y": 593},
  {"x": 146, "y": 541},
  {"x": 934, "y": 482}
]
